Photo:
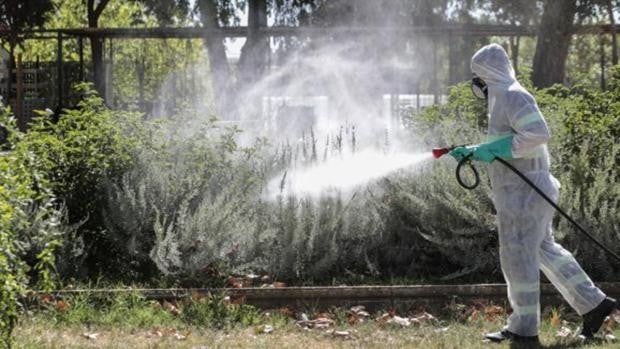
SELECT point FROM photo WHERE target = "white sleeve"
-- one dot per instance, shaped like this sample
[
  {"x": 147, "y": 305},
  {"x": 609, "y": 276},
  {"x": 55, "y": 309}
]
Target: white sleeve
[{"x": 528, "y": 124}]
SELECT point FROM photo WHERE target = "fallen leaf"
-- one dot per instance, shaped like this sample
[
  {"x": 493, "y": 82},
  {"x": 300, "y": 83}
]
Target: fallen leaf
[
  {"x": 611, "y": 322},
  {"x": 475, "y": 314},
  {"x": 46, "y": 298},
  {"x": 492, "y": 312},
  {"x": 424, "y": 318},
  {"x": 564, "y": 332},
  {"x": 341, "y": 334},
  {"x": 172, "y": 308},
  {"x": 323, "y": 316},
  {"x": 401, "y": 321},
  {"x": 353, "y": 319},
  {"x": 383, "y": 318},
  {"x": 357, "y": 314},
  {"x": 179, "y": 336},
  {"x": 155, "y": 333},
  {"x": 62, "y": 306},
  {"x": 90, "y": 336},
  {"x": 316, "y": 323},
  {"x": 287, "y": 312},
  {"x": 358, "y": 309}
]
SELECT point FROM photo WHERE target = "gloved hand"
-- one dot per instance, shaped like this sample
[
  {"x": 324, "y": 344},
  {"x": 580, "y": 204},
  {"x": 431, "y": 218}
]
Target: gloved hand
[
  {"x": 486, "y": 152},
  {"x": 459, "y": 153}
]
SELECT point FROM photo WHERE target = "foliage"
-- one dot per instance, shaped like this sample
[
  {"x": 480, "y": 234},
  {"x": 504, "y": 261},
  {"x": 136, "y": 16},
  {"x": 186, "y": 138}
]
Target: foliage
[
  {"x": 19, "y": 15},
  {"x": 76, "y": 156},
  {"x": 131, "y": 310},
  {"x": 193, "y": 203},
  {"x": 217, "y": 311},
  {"x": 437, "y": 229},
  {"x": 30, "y": 225},
  {"x": 192, "y": 182},
  {"x": 142, "y": 77}
]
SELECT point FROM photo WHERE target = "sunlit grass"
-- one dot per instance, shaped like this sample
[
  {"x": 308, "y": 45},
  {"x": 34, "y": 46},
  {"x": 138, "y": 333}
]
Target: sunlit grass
[{"x": 130, "y": 321}]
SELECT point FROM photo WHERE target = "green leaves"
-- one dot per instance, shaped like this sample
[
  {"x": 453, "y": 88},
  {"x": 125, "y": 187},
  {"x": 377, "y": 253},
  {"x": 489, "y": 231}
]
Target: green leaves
[{"x": 28, "y": 224}]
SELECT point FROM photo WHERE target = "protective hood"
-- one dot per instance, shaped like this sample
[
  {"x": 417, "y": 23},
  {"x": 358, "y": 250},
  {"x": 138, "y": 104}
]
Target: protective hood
[{"x": 491, "y": 64}]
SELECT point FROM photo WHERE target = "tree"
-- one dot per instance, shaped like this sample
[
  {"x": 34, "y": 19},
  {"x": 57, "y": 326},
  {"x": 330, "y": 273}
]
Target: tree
[
  {"x": 94, "y": 9},
  {"x": 554, "y": 37},
  {"x": 212, "y": 13},
  {"x": 255, "y": 51},
  {"x": 15, "y": 17},
  {"x": 513, "y": 12},
  {"x": 614, "y": 48}
]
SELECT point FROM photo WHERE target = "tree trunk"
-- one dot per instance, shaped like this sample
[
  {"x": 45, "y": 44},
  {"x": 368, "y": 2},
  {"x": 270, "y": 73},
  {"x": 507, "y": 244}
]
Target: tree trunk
[
  {"x": 614, "y": 42},
  {"x": 554, "y": 38},
  {"x": 9, "y": 69},
  {"x": 514, "y": 51},
  {"x": 602, "y": 60},
  {"x": 96, "y": 48},
  {"x": 254, "y": 54},
  {"x": 216, "y": 51},
  {"x": 96, "y": 45}
]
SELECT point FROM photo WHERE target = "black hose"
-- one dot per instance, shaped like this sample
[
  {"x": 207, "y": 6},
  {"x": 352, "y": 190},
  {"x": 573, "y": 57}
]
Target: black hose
[
  {"x": 538, "y": 190},
  {"x": 459, "y": 167}
]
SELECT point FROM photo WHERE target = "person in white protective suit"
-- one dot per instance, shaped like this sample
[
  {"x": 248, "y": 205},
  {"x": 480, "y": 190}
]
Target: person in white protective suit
[{"x": 518, "y": 133}]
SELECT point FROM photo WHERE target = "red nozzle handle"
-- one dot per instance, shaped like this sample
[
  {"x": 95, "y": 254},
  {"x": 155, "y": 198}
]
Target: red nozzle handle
[{"x": 439, "y": 152}]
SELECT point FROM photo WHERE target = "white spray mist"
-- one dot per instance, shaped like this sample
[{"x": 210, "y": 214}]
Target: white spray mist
[{"x": 342, "y": 174}]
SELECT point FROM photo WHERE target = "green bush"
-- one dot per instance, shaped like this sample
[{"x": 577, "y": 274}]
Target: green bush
[
  {"x": 192, "y": 202},
  {"x": 88, "y": 147},
  {"x": 187, "y": 202},
  {"x": 30, "y": 225}
]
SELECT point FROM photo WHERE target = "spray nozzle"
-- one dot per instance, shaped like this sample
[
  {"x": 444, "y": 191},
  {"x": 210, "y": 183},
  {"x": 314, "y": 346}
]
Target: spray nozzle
[{"x": 439, "y": 152}]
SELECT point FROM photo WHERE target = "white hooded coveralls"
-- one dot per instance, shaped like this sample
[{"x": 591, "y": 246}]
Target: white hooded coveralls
[{"x": 526, "y": 242}]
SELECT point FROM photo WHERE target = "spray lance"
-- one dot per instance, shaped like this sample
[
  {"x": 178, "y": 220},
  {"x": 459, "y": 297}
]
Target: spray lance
[{"x": 439, "y": 152}]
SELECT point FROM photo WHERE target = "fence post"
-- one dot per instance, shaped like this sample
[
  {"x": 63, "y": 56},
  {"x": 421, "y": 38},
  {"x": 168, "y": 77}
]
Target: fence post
[
  {"x": 59, "y": 71},
  {"x": 603, "y": 63},
  {"x": 81, "y": 54},
  {"x": 19, "y": 95}
]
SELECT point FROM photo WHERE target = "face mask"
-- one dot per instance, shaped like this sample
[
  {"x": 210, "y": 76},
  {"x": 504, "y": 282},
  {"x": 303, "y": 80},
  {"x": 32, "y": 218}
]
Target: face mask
[{"x": 479, "y": 88}]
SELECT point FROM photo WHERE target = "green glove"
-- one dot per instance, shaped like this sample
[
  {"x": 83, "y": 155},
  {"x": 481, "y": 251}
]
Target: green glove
[
  {"x": 486, "y": 152},
  {"x": 459, "y": 153}
]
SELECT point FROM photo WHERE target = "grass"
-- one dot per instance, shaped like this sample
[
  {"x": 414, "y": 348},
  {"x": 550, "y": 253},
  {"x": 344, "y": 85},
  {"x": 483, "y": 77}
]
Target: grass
[
  {"x": 33, "y": 334},
  {"x": 129, "y": 321}
]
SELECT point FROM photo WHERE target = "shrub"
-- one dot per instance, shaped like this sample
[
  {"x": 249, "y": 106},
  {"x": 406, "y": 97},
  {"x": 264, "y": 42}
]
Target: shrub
[
  {"x": 187, "y": 203},
  {"x": 193, "y": 201},
  {"x": 30, "y": 225},
  {"x": 88, "y": 147}
]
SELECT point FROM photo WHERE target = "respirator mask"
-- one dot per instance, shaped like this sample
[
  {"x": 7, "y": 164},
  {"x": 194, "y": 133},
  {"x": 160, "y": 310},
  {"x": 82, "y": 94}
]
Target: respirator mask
[{"x": 479, "y": 88}]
